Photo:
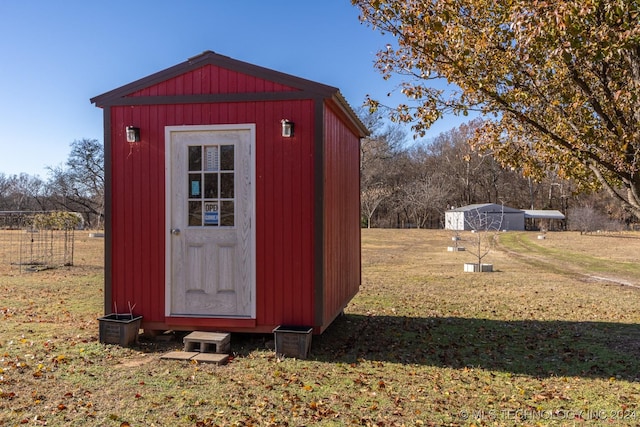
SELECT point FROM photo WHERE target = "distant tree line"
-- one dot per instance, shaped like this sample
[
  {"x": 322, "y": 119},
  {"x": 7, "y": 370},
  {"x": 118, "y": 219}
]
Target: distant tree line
[
  {"x": 76, "y": 186},
  {"x": 402, "y": 185},
  {"x": 412, "y": 185},
  {"x": 558, "y": 84}
]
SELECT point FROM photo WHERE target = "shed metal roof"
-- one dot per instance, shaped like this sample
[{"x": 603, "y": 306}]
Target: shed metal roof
[
  {"x": 543, "y": 214},
  {"x": 486, "y": 207},
  {"x": 120, "y": 96},
  {"x": 495, "y": 208}
]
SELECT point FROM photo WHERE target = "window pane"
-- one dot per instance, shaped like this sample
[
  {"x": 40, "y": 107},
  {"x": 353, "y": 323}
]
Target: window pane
[
  {"x": 227, "y": 216},
  {"x": 211, "y": 158},
  {"x": 195, "y": 158},
  {"x": 226, "y": 158},
  {"x": 195, "y": 213},
  {"x": 226, "y": 185},
  {"x": 210, "y": 185},
  {"x": 195, "y": 189}
]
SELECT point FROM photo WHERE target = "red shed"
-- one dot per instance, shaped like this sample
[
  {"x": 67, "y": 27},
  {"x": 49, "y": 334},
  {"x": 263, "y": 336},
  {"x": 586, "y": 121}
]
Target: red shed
[{"x": 216, "y": 217}]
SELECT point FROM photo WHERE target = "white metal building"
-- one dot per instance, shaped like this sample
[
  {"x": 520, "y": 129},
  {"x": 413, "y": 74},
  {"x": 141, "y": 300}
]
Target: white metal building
[
  {"x": 484, "y": 216},
  {"x": 491, "y": 216}
]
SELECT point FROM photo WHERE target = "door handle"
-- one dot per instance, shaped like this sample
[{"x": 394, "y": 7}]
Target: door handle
[{"x": 175, "y": 231}]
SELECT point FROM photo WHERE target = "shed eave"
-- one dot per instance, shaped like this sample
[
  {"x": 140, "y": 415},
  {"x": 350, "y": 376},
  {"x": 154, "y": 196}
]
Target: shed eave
[
  {"x": 212, "y": 58},
  {"x": 340, "y": 100},
  {"x": 543, "y": 214},
  {"x": 306, "y": 88},
  {"x": 486, "y": 208}
]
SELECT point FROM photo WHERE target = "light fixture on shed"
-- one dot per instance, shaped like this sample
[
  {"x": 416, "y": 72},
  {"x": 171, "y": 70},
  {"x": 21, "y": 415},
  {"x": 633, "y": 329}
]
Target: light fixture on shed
[
  {"x": 133, "y": 134},
  {"x": 287, "y": 128}
]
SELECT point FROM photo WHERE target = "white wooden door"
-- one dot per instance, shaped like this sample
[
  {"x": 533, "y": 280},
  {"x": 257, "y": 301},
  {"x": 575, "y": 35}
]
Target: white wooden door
[{"x": 210, "y": 213}]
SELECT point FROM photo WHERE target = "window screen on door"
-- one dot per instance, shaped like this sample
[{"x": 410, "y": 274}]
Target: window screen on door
[{"x": 211, "y": 185}]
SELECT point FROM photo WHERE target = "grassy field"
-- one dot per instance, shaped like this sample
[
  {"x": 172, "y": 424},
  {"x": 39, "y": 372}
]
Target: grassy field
[{"x": 551, "y": 337}]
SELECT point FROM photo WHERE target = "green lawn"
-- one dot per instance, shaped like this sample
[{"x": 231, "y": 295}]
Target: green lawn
[{"x": 543, "y": 340}]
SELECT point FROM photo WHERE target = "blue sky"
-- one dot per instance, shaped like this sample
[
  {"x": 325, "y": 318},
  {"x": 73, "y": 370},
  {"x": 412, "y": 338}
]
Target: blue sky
[{"x": 58, "y": 54}]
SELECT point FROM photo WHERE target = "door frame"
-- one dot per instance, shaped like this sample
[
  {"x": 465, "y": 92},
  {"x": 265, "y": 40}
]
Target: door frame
[{"x": 169, "y": 131}]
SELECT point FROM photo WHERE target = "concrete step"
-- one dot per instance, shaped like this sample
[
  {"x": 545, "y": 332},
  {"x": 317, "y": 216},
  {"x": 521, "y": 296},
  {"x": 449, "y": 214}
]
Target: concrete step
[
  {"x": 217, "y": 358},
  {"x": 207, "y": 342}
]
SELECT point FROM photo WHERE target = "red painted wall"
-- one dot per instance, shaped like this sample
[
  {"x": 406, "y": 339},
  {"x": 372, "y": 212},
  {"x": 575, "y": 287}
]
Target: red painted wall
[
  {"x": 211, "y": 79},
  {"x": 341, "y": 215},
  {"x": 286, "y": 199}
]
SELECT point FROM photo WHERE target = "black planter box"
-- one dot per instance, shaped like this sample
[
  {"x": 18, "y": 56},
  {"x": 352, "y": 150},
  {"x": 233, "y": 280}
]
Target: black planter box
[
  {"x": 293, "y": 341},
  {"x": 121, "y": 329}
]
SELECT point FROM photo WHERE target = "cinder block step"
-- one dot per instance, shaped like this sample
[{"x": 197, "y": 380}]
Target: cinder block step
[{"x": 207, "y": 342}]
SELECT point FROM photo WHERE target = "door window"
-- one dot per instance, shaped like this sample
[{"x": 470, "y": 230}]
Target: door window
[{"x": 211, "y": 191}]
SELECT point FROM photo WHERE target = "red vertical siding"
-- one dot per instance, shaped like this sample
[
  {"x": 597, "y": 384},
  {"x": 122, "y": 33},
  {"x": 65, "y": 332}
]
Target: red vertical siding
[
  {"x": 284, "y": 172},
  {"x": 284, "y": 206},
  {"x": 137, "y": 215},
  {"x": 285, "y": 184},
  {"x": 341, "y": 216},
  {"x": 211, "y": 80}
]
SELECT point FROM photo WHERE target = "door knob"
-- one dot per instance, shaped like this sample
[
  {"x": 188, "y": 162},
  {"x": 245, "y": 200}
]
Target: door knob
[{"x": 175, "y": 231}]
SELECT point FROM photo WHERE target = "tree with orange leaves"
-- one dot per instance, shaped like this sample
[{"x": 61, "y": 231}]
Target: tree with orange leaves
[{"x": 557, "y": 81}]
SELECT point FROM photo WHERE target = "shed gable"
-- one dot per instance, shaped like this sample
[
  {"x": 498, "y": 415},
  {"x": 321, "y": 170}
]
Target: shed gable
[{"x": 211, "y": 79}]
